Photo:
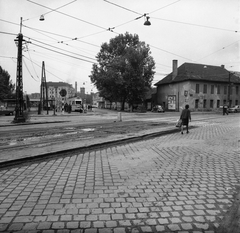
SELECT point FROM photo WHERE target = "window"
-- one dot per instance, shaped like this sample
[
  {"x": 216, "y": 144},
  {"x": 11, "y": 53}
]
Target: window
[
  {"x": 218, "y": 89},
  {"x": 218, "y": 103},
  {"x": 225, "y": 90},
  {"x": 205, "y": 88},
  {"x": 212, "y": 89},
  {"x": 204, "y": 103},
  {"x": 196, "y": 103},
  {"x": 236, "y": 102},
  {"x": 211, "y": 103},
  {"x": 197, "y": 88},
  {"x": 236, "y": 90},
  {"x": 224, "y": 102}
]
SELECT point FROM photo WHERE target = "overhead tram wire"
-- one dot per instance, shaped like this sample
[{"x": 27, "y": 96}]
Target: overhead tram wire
[
  {"x": 122, "y": 7},
  {"x": 8, "y": 33},
  {"x": 67, "y": 37},
  {"x": 197, "y": 25},
  {"x": 31, "y": 61},
  {"x": 164, "y": 7},
  {"x": 64, "y": 54},
  {"x": 90, "y": 44},
  {"x": 29, "y": 71},
  {"x": 51, "y": 38},
  {"x": 60, "y": 49},
  {"x": 47, "y": 71},
  {"x": 170, "y": 52},
  {"x": 218, "y": 50},
  {"x": 54, "y": 9},
  {"x": 73, "y": 17}
]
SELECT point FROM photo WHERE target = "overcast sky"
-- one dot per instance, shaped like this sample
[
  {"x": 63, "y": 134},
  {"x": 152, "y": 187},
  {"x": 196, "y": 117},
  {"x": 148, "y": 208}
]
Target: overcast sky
[{"x": 196, "y": 31}]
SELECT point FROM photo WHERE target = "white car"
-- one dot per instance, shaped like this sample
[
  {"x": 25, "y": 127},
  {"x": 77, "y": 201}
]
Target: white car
[{"x": 234, "y": 109}]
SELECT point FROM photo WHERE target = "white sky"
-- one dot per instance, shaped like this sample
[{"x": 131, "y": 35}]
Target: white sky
[{"x": 197, "y": 31}]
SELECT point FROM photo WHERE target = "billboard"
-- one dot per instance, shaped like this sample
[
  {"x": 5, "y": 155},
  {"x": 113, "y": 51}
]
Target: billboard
[{"x": 172, "y": 102}]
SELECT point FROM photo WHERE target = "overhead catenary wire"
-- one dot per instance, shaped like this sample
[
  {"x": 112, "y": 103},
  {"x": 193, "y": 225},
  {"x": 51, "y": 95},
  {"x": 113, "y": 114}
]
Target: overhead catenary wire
[
  {"x": 73, "y": 17},
  {"x": 61, "y": 49},
  {"x": 32, "y": 62},
  {"x": 54, "y": 9},
  {"x": 63, "y": 36},
  {"x": 122, "y": 7},
  {"x": 64, "y": 54},
  {"x": 164, "y": 7},
  {"x": 118, "y": 33},
  {"x": 8, "y": 33},
  {"x": 47, "y": 71},
  {"x": 197, "y": 25},
  {"x": 29, "y": 70},
  {"x": 218, "y": 50}
]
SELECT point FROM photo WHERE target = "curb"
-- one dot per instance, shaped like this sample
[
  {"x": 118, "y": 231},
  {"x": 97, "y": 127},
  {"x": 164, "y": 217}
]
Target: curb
[{"x": 107, "y": 143}]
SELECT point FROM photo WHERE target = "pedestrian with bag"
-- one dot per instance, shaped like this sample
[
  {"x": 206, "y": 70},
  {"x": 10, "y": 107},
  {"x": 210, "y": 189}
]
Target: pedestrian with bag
[{"x": 185, "y": 117}]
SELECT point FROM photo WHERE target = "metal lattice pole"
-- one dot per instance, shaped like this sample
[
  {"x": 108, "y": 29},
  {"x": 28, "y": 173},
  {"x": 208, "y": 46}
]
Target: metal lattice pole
[{"x": 19, "y": 82}]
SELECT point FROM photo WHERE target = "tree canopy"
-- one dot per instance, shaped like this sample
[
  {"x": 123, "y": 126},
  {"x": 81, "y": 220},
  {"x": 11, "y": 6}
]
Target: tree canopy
[
  {"x": 125, "y": 69},
  {"x": 6, "y": 85}
]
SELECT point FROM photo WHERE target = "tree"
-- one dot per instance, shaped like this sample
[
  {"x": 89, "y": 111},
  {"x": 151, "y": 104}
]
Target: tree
[
  {"x": 124, "y": 71},
  {"x": 6, "y": 85}
]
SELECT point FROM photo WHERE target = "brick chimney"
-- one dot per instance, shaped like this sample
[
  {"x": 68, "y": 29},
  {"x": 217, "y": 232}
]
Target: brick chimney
[
  {"x": 174, "y": 69},
  {"x": 76, "y": 87}
]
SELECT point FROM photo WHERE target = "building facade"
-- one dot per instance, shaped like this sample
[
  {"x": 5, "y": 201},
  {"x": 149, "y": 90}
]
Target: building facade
[
  {"x": 203, "y": 87},
  {"x": 54, "y": 97}
]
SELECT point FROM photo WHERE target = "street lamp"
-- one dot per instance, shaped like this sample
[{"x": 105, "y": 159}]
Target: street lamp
[
  {"x": 42, "y": 18},
  {"x": 147, "y": 22}
]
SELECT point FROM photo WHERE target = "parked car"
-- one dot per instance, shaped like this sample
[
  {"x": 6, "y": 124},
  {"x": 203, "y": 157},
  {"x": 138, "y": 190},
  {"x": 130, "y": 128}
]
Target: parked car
[
  {"x": 158, "y": 108},
  {"x": 234, "y": 109}
]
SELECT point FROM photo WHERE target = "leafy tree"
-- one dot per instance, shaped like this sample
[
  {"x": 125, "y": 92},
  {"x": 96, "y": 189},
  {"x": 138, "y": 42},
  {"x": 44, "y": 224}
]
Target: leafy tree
[
  {"x": 124, "y": 71},
  {"x": 6, "y": 85}
]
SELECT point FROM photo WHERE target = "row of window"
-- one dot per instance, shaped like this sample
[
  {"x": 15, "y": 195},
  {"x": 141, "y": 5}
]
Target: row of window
[
  {"x": 225, "y": 87},
  {"x": 211, "y": 103}
]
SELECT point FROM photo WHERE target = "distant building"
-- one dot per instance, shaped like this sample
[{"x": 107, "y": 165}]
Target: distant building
[
  {"x": 98, "y": 101},
  {"x": 54, "y": 89},
  {"x": 203, "y": 87},
  {"x": 34, "y": 96}
]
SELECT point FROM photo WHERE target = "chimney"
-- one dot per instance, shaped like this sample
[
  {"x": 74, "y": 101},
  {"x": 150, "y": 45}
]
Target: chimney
[
  {"x": 223, "y": 66},
  {"x": 174, "y": 69},
  {"x": 76, "y": 87}
]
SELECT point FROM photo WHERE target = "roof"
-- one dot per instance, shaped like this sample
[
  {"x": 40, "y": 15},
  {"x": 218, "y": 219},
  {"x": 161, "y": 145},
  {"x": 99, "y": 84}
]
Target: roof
[
  {"x": 200, "y": 72},
  {"x": 58, "y": 84}
]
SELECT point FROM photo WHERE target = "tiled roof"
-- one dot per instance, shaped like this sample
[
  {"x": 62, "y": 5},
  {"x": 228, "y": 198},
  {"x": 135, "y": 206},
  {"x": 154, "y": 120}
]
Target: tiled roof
[
  {"x": 200, "y": 72},
  {"x": 58, "y": 84}
]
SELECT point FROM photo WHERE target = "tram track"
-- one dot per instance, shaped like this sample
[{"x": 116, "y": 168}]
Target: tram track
[{"x": 16, "y": 139}]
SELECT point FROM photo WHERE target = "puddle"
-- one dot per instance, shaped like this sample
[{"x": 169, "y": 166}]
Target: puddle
[{"x": 88, "y": 129}]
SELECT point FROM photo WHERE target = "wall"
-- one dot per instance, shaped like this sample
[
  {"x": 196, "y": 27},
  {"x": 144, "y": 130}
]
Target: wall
[{"x": 185, "y": 93}]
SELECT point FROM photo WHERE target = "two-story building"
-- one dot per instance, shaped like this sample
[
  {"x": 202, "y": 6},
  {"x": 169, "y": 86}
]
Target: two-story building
[{"x": 203, "y": 87}]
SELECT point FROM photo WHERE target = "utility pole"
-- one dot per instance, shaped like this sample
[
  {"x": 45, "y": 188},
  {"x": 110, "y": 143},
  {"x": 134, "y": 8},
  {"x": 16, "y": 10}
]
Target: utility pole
[
  {"x": 19, "y": 82},
  {"x": 44, "y": 90}
]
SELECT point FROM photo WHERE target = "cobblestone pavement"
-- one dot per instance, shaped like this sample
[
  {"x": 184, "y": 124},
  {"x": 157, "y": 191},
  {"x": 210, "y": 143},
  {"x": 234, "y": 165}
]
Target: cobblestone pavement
[{"x": 174, "y": 183}]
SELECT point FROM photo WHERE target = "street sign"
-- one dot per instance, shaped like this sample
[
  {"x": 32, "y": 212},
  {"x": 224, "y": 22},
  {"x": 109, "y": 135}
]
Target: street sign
[{"x": 63, "y": 92}]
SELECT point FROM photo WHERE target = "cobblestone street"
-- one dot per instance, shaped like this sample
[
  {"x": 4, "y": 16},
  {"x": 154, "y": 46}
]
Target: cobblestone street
[{"x": 173, "y": 183}]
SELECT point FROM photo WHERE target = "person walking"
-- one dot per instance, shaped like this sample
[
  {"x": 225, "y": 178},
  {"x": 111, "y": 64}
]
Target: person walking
[
  {"x": 225, "y": 109},
  {"x": 185, "y": 117}
]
